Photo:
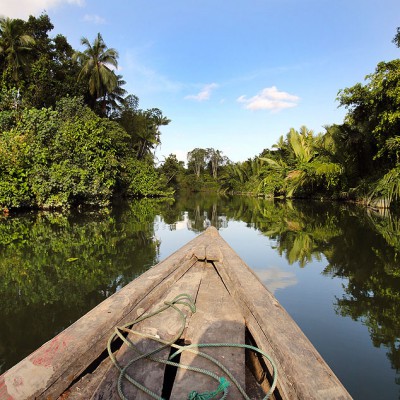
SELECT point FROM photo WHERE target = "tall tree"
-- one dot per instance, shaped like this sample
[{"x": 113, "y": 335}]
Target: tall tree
[
  {"x": 197, "y": 160},
  {"x": 149, "y": 133},
  {"x": 173, "y": 170},
  {"x": 39, "y": 28},
  {"x": 48, "y": 72},
  {"x": 15, "y": 45},
  {"x": 373, "y": 118},
  {"x": 97, "y": 61},
  {"x": 215, "y": 159},
  {"x": 115, "y": 99},
  {"x": 143, "y": 126}
]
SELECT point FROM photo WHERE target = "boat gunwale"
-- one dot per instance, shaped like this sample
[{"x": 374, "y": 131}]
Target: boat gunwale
[{"x": 303, "y": 373}]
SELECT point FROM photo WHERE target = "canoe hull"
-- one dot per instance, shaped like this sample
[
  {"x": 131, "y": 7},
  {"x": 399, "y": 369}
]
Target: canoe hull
[{"x": 232, "y": 303}]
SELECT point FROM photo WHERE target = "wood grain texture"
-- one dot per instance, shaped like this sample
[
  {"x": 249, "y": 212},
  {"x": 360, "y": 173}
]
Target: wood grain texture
[
  {"x": 165, "y": 325},
  {"x": 48, "y": 372},
  {"x": 217, "y": 320},
  {"x": 303, "y": 373}
]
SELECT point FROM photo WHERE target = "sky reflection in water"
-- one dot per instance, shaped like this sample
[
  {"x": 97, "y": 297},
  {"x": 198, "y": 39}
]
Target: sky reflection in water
[{"x": 332, "y": 266}]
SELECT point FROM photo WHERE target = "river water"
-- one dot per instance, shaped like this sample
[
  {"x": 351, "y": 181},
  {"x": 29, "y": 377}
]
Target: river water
[{"x": 334, "y": 267}]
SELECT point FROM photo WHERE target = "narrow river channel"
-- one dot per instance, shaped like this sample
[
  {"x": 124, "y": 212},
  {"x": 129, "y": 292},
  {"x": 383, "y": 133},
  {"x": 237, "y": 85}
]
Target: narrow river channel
[{"x": 335, "y": 268}]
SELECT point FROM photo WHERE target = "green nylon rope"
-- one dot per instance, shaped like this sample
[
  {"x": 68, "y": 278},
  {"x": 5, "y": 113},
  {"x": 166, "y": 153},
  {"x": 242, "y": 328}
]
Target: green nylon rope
[{"x": 183, "y": 299}]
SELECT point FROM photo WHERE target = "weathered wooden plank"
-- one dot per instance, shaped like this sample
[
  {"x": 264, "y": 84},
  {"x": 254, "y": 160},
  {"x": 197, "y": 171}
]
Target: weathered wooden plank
[
  {"x": 257, "y": 376},
  {"x": 217, "y": 320},
  {"x": 205, "y": 252},
  {"x": 165, "y": 325},
  {"x": 205, "y": 249},
  {"x": 200, "y": 252},
  {"x": 48, "y": 371},
  {"x": 302, "y": 371},
  {"x": 264, "y": 342},
  {"x": 213, "y": 253},
  {"x": 85, "y": 387}
]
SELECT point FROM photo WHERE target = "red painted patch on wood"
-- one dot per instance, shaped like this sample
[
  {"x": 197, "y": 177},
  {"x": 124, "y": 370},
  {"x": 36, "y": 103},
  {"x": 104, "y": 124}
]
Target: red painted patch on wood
[
  {"x": 46, "y": 354},
  {"x": 3, "y": 390},
  {"x": 18, "y": 381}
]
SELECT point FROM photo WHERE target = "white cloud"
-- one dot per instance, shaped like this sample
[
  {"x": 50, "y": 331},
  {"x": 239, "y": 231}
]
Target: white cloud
[
  {"x": 24, "y": 8},
  {"x": 270, "y": 99},
  {"x": 96, "y": 19},
  {"x": 204, "y": 94},
  {"x": 274, "y": 278}
]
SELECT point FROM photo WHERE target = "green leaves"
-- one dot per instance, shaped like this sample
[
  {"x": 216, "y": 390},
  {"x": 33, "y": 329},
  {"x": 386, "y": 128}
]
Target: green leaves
[
  {"x": 68, "y": 156},
  {"x": 96, "y": 63},
  {"x": 142, "y": 127},
  {"x": 143, "y": 180},
  {"x": 54, "y": 159},
  {"x": 388, "y": 187},
  {"x": 14, "y": 45}
]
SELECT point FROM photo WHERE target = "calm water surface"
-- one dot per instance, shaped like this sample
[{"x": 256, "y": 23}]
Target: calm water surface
[{"x": 334, "y": 267}]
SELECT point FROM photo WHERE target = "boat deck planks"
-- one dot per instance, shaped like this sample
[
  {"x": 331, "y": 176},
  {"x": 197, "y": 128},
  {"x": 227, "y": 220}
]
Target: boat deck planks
[
  {"x": 47, "y": 372},
  {"x": 233, "y": 306},
  {"x": 224, "y": 324},
  {"x": 165, "y": 326},
  {"x": 302, "y": 371}
]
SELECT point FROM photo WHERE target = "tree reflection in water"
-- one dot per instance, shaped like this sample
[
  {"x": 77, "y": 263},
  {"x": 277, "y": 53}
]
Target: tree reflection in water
[
  {"x": 54, "y": 267},
  {"x": 362, "y": 248}
]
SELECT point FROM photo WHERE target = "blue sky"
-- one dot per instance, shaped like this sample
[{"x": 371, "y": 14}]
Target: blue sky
[{"x": 232, "y": 75}]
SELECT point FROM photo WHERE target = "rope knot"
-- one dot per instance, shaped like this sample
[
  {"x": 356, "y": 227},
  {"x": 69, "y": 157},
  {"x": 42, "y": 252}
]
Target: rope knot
[{"x": 222, "y": 387}]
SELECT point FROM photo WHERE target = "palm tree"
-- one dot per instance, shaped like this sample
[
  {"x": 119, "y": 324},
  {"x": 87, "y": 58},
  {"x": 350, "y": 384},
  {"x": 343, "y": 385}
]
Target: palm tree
[
  {"x": 14, "y": 45},
  {"x": 302, "y": 144},
  {"x": 96, "y": 63},
  {"x": 386, "y": 190},
  {"x": 148, "y": 130},
  {"x": 306, "y": 163},
  {"x": 115, "y": 99},
  {"x": 311, "y": 168},
  {"x": 280, "y": 148}
]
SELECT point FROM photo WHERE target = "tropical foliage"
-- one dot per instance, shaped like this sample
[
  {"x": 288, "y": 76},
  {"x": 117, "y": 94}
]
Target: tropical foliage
[
  {"x": 143, "y": 126},
  {"x": 97, "y": 63},
  {"x": 357, "y": 160},
  {"x": 69, "y": 135},
  {"x": 108, "y": 148},
  {"x": 14, "y": 46}
]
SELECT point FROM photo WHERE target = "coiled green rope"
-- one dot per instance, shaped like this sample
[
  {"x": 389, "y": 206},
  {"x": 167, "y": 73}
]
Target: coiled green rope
[{"x": 223, "y": 384}]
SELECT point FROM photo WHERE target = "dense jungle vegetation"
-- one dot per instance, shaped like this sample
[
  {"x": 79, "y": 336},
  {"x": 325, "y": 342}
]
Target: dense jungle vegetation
[
  {"x": 356, "y": 160},
  {"x": 70, "y": 134}
]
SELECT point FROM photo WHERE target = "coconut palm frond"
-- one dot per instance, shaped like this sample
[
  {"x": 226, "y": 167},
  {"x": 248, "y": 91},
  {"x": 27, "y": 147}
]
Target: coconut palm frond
[
  {"x": 388, "y": 187},
  {"x": 15, "y": 45},
  {"x": 327, "y": 168},
  {"x": 275, "y": 165},
  {"x": 295, "y": 180},
  {"x": 97, "y": 67}
]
